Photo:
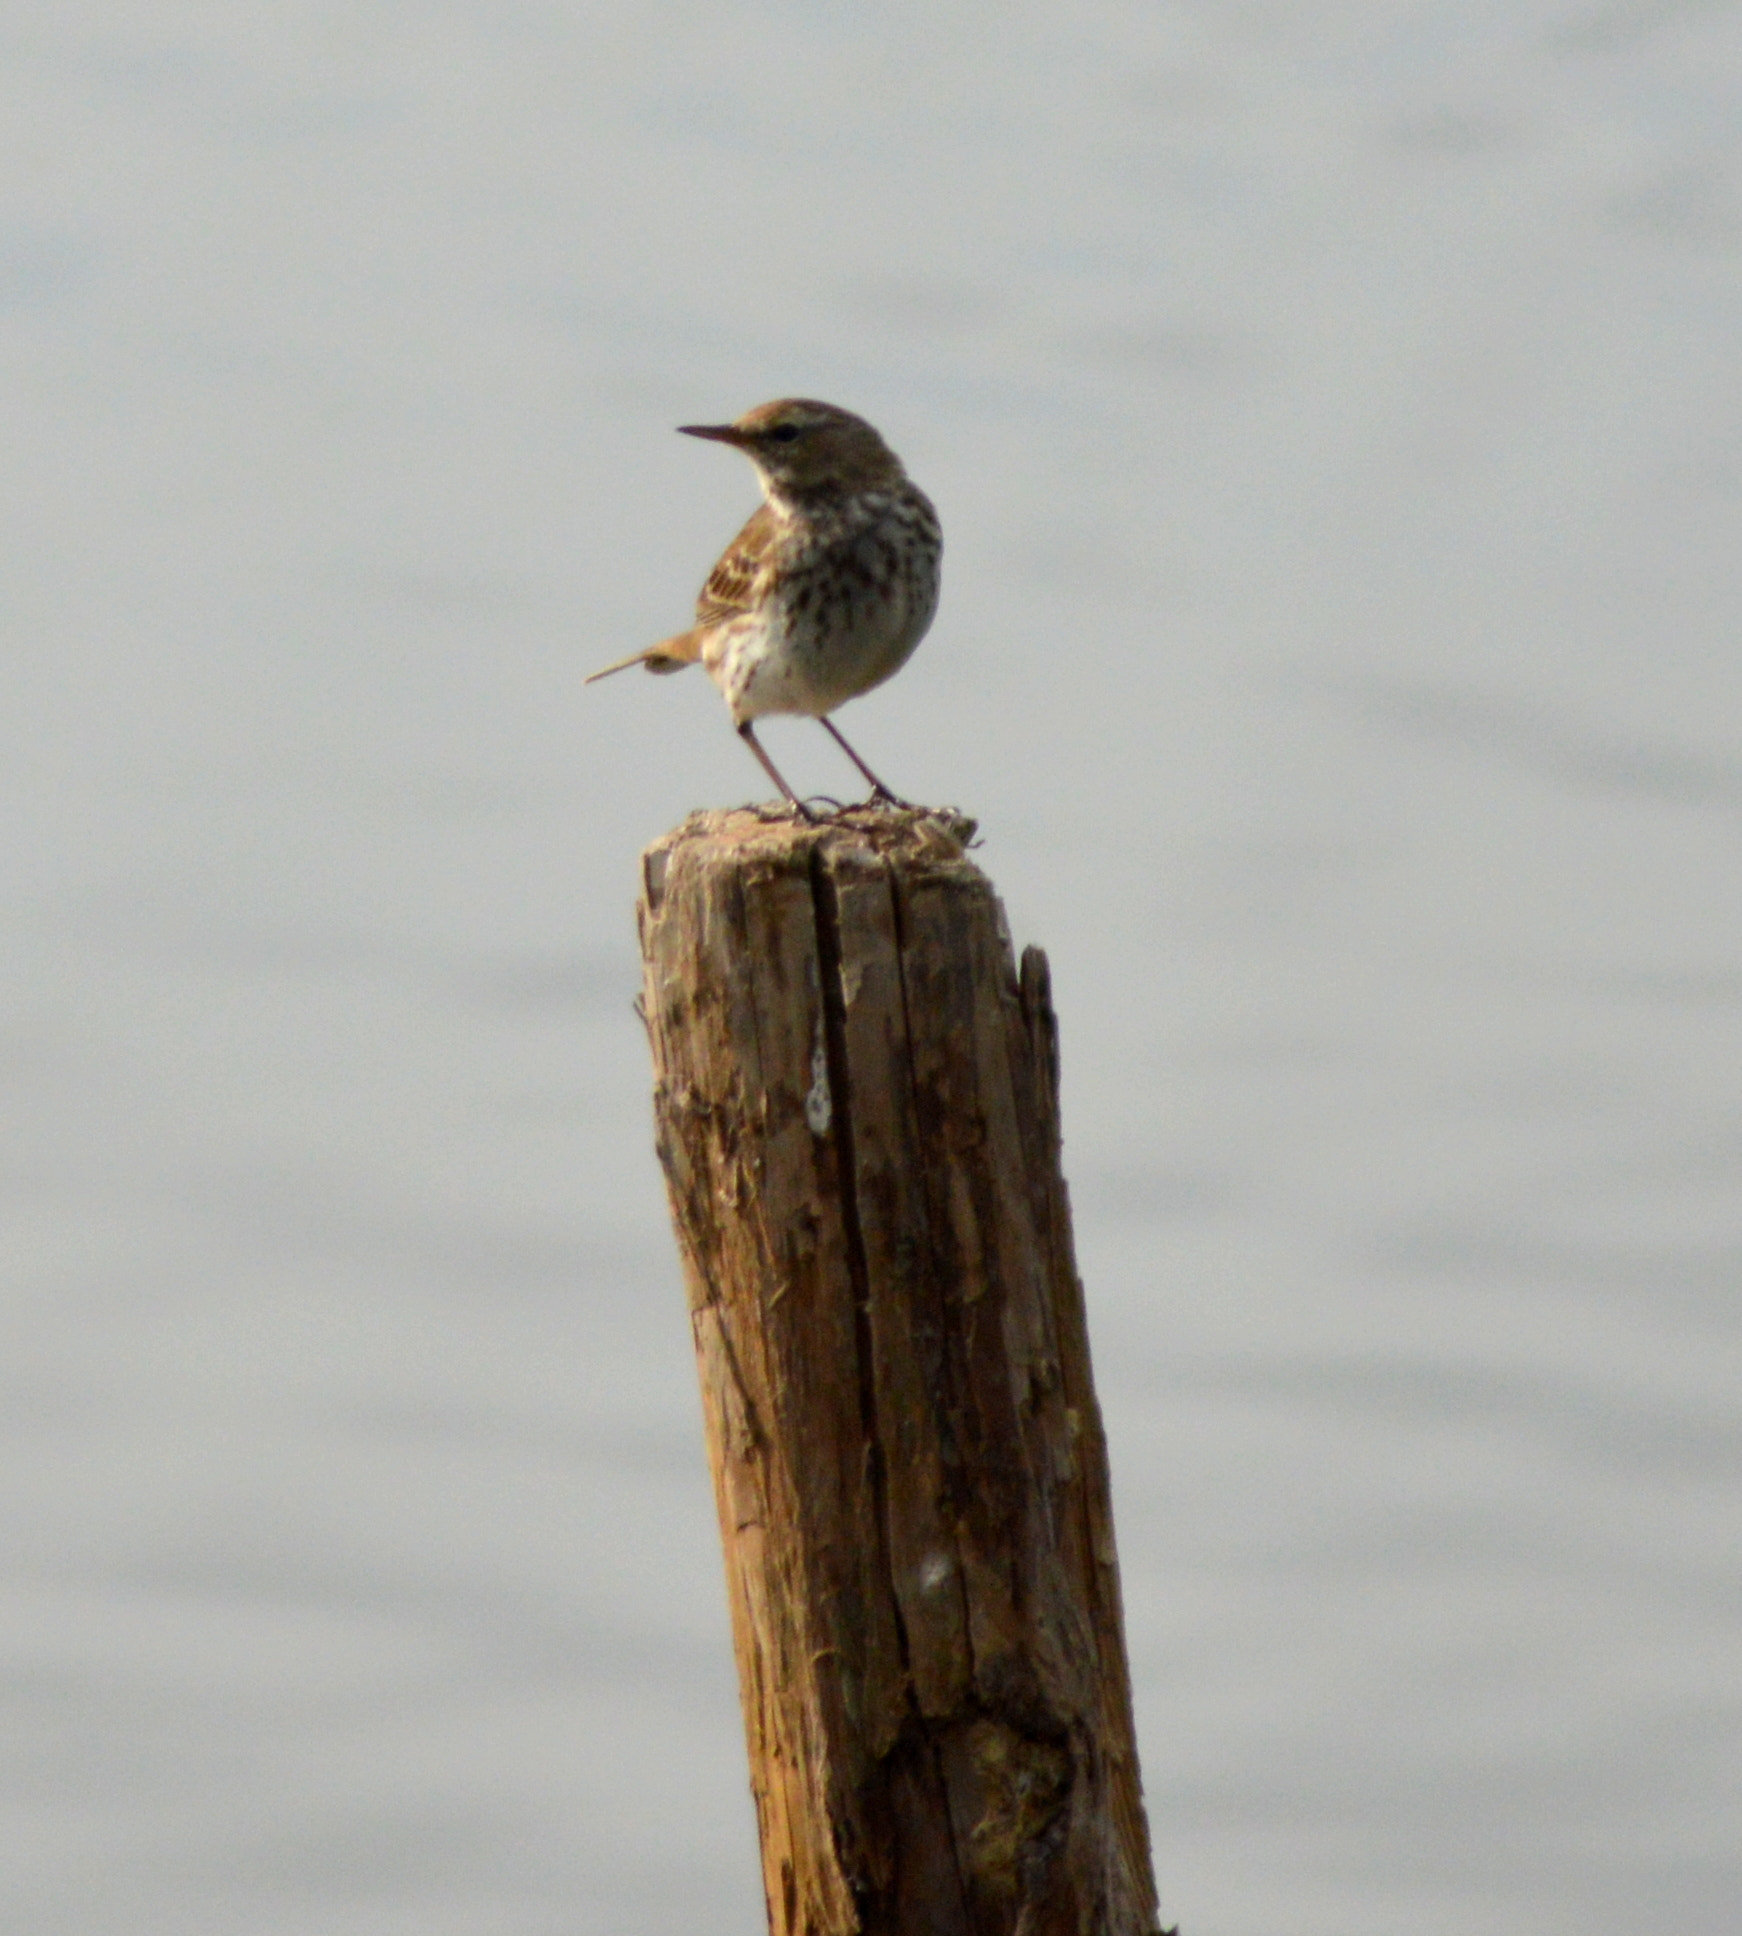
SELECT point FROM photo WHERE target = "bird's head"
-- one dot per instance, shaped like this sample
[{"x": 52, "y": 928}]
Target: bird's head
[{"x": 807, "y": 450}]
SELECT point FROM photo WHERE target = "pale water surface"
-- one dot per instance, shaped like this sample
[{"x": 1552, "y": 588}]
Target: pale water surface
[{"x": 1336, "y": 417}]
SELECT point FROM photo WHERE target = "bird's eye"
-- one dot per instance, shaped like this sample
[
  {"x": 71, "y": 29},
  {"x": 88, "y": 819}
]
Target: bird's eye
[{"x": 784, "y": 434}]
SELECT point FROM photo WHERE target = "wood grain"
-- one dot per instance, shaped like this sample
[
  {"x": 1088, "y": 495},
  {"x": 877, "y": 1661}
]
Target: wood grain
[{"x": 856, "y": 1099}]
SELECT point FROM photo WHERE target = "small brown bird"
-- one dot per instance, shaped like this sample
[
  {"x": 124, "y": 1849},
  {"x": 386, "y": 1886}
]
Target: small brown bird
[{"x": 829, "y": 587}]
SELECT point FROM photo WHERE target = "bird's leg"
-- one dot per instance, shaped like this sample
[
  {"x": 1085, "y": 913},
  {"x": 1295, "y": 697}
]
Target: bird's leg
[
  {"x": 747, "y": 733},
  {"x": 878, "y": 790}
]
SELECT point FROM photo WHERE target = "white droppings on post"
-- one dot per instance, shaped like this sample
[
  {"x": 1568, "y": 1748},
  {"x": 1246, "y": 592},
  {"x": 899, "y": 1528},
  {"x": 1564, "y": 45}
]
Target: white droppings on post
[
  {"x": 934, "y": 1571},
  {"x": 819, "y": 1106}
]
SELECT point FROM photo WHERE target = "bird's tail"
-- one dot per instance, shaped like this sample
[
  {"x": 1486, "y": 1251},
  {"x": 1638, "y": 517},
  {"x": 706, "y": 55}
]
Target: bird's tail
[{"x": 669, "y": 655}]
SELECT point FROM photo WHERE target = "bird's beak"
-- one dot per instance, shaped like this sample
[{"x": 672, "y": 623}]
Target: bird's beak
[{"x": 715, "y": 433}]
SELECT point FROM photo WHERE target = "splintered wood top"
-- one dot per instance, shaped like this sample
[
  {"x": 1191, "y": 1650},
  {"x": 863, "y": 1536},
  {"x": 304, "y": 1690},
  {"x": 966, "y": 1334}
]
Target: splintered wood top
[{"x": 921, "y": 840}]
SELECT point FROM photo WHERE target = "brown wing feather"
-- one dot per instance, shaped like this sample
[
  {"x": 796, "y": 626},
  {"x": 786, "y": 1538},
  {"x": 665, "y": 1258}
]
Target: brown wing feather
[{"x": 734, "y": 582}]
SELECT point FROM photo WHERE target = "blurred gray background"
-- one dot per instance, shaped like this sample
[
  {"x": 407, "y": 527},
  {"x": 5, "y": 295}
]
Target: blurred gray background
[{"x": 1336, "y": 421}]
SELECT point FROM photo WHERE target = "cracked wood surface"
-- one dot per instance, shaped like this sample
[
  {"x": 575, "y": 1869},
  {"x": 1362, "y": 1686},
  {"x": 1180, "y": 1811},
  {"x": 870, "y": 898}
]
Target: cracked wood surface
[{"x": 856, "y": 1100}]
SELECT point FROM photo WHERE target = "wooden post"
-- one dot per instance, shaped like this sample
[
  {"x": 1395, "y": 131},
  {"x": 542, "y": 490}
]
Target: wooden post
[{"x": 857, "y": 1108}]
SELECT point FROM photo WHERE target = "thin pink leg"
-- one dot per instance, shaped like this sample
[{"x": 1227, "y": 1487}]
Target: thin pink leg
[
  {"x": 878, "y": 790},
  {"x": 747, "y": 733}
]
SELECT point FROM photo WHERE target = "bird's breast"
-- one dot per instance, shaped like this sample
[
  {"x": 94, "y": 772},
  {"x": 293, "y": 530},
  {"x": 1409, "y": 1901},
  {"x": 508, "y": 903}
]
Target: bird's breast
[{"x": 845, "y": 602}]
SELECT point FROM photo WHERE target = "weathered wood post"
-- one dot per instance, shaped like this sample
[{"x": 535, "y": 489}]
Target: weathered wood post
[{"x": 857, "y": 1108}]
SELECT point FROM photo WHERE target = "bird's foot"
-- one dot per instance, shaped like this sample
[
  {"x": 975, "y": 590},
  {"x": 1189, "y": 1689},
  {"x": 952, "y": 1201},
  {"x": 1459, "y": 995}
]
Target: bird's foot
[{"x": 781, "y": 810}]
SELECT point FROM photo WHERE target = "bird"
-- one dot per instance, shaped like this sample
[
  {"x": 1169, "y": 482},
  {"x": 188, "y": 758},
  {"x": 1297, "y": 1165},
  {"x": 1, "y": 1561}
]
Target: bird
[{"x": 827, "y": 589}]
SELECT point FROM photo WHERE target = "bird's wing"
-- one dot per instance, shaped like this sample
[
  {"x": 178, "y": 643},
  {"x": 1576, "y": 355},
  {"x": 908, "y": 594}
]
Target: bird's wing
[{"x": 733, "y": 585}]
